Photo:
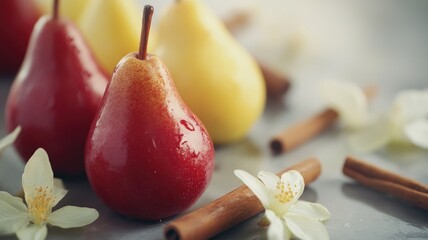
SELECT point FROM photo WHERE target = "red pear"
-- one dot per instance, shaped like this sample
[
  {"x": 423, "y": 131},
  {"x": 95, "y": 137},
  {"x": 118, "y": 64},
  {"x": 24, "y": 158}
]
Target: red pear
[
  {"x": 147, "y": 155},
  {"x": 17, "y": 18},
  {"x": 55, "y": 95}
]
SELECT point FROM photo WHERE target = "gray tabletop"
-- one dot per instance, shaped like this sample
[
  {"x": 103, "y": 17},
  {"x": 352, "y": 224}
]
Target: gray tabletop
[{"x": 382, "y": 42}]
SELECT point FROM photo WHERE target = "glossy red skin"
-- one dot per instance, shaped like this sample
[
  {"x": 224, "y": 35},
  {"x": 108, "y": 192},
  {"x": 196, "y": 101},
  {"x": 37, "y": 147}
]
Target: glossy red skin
[
  {"x": 17, "y": 18},
  {"x": 147, "y": 155},
  {"x": 55, "y": 96}
]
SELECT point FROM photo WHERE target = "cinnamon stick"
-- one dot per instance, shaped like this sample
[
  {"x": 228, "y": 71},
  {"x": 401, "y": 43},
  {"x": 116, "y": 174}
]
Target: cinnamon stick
[
  {"x": 230, "y": 209},
  {"x": 298, "y": 134},
  {"x": 381, "y": 180},
  {"x": 238, "y": 20},
  {"x": 302, "y": 132},
  {"x": 277, "y": 84}
]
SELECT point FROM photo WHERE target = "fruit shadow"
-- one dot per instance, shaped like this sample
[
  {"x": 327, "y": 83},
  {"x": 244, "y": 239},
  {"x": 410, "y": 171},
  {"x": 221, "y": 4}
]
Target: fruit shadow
[
  {"x": 109, "y": 224},
  {"x": 386, "y": 204},
  {"x": 112, "y": 226}
]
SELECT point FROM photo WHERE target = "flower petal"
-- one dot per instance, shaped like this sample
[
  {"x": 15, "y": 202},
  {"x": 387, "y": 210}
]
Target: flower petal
[
  {"x": 13, "y": 201},
  {"x": 374, "y": 136},
  {"x": 417, "y": 132},
  {"x": 9, "y": 139},
  {"x": 255, "y": 185},
  {"x": 11, "y": 218},
  {"x": 71, "y": 217},
  {"x": 58, "y": 183},
  {"x": 310, "y": 210},
  {"x": 270, "y": 180},
  {"x": 37, "y": 172},
  {"x": 33, "y": 232},
  {"x": 348, "y": 100},
  {"x": 408, "y": 105},
  {"x": 277, "y": 230},
  {"x": 407, "y": 108},
  {"x": 306, "y": 228},
  {"x": 58, "y": 191},
  {"x": 295, "y": 180}
]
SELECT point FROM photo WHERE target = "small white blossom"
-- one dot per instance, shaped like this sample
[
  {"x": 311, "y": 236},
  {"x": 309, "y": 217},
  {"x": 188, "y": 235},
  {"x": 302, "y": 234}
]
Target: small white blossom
[
  {"x": 288, "y": 216},
  {"x": 28, "y": 220},
  {"x": 9, "y": 139},
  {"x": 406, "y": 122},
  {"x": 348, "y": 100}
]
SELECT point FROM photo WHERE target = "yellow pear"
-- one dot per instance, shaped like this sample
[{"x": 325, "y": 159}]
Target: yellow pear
[
  {"x": 112, "y": 29},
  {"x": 217, "y": 78},
  {"x": 71, "y": 9}
]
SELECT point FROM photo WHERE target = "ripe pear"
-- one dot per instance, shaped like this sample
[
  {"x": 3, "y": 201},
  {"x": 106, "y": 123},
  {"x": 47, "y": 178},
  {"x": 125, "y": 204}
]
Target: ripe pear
[
  {"x": 215, "y": 75},
  {"x": 55, "y": 95},
  {"x": 111, "y": 27},
  {"x": 147, "y": 155},
  {"x": 72, "y": 9},
  {"x": 17, "y": 18}
]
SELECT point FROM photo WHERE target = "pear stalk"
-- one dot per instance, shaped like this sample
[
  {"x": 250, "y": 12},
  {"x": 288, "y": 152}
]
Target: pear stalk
[
  {"x": 55, "y": 9},
  {"x": 145, "y": 30}
]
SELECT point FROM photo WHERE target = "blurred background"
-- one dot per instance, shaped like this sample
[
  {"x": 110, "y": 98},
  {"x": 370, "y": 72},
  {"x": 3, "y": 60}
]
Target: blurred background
[
  {"x": 351, "y": 40},
  {"x": 361, "y": 41}
]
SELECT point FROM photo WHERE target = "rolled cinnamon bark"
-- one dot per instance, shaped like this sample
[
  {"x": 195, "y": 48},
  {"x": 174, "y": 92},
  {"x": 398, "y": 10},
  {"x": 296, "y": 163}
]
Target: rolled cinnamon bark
[
  {"x": 276, "y": 84},
  {"x": 303, "y": 131},
  {"x": 384, "y": 181},
  {"x": 238, "y": 20},
  {"x": 298, "y": 134},
  {"x": 230, "y": 209}
]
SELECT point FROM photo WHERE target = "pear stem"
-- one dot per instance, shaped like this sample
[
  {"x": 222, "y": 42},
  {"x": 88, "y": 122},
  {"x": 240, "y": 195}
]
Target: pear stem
[
  {"x": 145, "y": 30},
  {"x": 55, "y": 9}
]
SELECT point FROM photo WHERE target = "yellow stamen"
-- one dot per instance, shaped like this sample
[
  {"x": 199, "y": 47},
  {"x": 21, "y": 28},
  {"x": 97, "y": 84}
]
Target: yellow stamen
[
  {"x": 40, "y": 205},
  {"x": 284, "y": 194}
]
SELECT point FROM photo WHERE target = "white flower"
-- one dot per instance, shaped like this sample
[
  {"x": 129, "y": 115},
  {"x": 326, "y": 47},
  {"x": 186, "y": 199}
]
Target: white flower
[
  {"x": 409, "y": 117},
  {"x": 287, "y": 216},
  {"x": 406, "y": 122},
  {"x": 9, "y": 139},
  {"x": 29, "y": 220},
  {"x": 348, "y": 99}
]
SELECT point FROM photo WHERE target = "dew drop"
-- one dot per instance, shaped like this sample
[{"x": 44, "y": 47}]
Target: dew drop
[
  {"x": 85, "y": 74},
  {"x": 187, "y": 125}
]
